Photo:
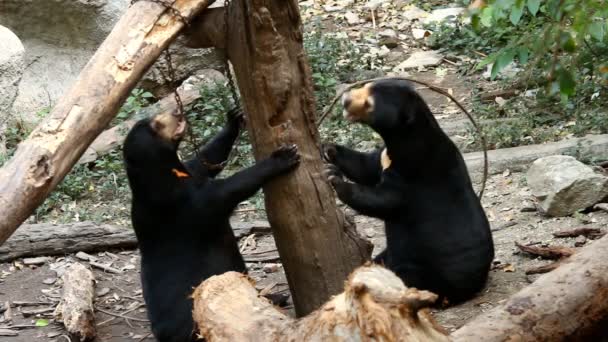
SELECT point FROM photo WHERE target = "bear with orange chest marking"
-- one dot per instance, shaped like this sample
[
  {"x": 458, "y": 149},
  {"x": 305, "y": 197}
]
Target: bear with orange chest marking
[
  {"x": 180, "y": 214},
  {"x": 437, "y": 235}
]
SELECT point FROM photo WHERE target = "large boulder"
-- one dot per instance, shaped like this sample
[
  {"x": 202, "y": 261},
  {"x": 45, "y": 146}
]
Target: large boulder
[
  {"x": 563, "y": 185},
  {"x": 11, "y": 70},
  {"x": 60, "y": 36}
]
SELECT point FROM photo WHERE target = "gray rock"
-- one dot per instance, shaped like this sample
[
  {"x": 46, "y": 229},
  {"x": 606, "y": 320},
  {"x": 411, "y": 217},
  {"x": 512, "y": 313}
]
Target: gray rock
[
  {"x": 420, "y": 59},
  {"x": 60, "y": 36},
  {"x": 11, "y": 70},
  {"x": 563, "y": 185}
]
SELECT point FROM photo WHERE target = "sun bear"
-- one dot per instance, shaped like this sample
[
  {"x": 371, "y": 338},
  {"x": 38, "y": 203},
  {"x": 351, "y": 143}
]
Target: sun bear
[
  {"x": 180, "y": 214},
  {"x": 437, "y": 235}
]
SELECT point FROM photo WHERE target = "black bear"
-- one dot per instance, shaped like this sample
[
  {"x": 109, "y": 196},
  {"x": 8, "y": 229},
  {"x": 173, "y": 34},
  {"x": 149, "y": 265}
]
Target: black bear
[
  {"x": 437, "y": 234},
  {"x": 180, "y": 214}
]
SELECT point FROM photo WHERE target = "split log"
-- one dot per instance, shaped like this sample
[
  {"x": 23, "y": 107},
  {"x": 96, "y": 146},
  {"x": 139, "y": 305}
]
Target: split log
[
  {"x": 550, "y": 252},
  {"x": 51, "y": 239},
  {"x": 567, "y": 304},
  {"x": 76, "y": 309},
  {"x": 43, "y": 160},
  {"x": 375, "y": 305},
  {"x": 318, "y": 247}
]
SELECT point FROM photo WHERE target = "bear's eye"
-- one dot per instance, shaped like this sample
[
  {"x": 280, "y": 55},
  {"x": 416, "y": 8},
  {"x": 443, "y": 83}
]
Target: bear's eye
[
  {"x": 157, "y": 126},
  {"x": 369, "y": 103}
]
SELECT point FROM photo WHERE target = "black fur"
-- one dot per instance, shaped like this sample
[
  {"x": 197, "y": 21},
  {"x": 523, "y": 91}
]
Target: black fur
[
  {"x": 182, "y": 224},
  {"x": 438, "y": 237}
]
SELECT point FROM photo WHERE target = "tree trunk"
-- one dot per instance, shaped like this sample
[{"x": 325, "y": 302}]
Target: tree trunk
[
  {"x": 51, "y": 239},
  {"x": 375, "y": 306},
  {"x": 49, "y": 153},
  {"x": 317, "y": 246},
  {"x": 567, "y": 304}
]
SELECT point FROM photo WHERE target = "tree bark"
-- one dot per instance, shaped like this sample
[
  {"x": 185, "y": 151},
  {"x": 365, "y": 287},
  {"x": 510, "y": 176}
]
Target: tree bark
[
  {"x": 317, "y": 246},
  {"x": 76, "y": 309},
  {"x": 567, "y": 304},
  {"x": 50, "y": 239},
  {"x": 49, "y": 153},
  {"x": 375, "y": 306}
]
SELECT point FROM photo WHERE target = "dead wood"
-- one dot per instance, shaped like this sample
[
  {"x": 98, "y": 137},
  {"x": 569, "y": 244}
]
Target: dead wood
[
  {"x": 550, "y": 252},
  {"x": 76, "y": 309},
  {"x": 590, "y": 233},
  {"x": 317, "y": 246},
  {"x": 51, "y": 239},
  {"x": 544, "y": 268},
  {"x": 568, "y": 304},
  {"x": 51, "y": 150},
  {"x": 375, "y": 305}
]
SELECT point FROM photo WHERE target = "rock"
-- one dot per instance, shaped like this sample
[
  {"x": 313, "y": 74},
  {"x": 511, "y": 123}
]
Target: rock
[
  {"x": 12, "y": 55},
  {"x": 388, "y": 33},
  {"x": 49, "y": 281},
  {"x": 390, "y": 42},
  {"x": 580, "y": 241},
  {"x": 443, "y": 14},
  {"x": 420, "y": 34},
  {"x": 271, "y": 268},
  {"x": 564, "y": 185},
  {"x": 85, "y": 256},
  {"x": 420, "y": 59},
  {"x": 352, "y": 18},
  {"x": 414, "y": 13},
  {"x": 60, "y": 36}
]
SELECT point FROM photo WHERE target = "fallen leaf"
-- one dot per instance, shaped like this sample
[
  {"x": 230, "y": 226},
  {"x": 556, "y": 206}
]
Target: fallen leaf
[{"x": 509, "y": 268}]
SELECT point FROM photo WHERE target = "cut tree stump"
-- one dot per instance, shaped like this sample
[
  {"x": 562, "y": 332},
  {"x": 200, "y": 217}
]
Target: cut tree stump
[
  {"x": 50, "y": 239},
  {"x": 375, "y": 306},
  {"x": 567, "y": 304},
  {"x": 318, "y": 247},
  {"x": 76, "y": 309},
  {"x": 43, "y": 160}
]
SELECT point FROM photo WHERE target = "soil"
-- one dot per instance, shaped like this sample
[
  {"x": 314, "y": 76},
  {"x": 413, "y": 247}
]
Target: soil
[{"x": 508, "y": 203}]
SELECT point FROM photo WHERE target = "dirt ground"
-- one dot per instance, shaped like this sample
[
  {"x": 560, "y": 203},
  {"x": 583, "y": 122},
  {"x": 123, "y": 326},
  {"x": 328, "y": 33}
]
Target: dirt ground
[{"x": 121, "y": 315}]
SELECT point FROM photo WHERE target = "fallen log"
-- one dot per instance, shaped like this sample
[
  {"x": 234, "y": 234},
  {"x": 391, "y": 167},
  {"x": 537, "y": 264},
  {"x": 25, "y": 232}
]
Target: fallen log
[
  {"x": 375, "y": 305},
  {"x": 567, "y": 304},
  {"x": 51, "y": 150},
  {"x": 52, "y": 239},
  {"x": 76, "y": 309}
]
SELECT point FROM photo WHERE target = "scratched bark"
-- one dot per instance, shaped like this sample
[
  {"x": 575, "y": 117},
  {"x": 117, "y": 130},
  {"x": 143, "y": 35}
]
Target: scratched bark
[
  {"x": 51, "y": 150},
  {"x": 317, "y": 246}
]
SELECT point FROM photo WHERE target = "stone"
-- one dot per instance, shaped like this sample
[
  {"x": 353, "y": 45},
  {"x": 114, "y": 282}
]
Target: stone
[
  {"x": 271, "y": 268},
  {"x": 60, "y": 37},
  {"x": 443, "y": 14},
  {"x": 412, "y": 13},
  {"x": 352, "y": 18},
  {"x": 49, "y": 281},
  {"x": 12, "y": 54},
  {"x": 390, "y": 42},
  {"x": 420, "y": 59},
  {"x": 563, "y": 185},
  {"x": 420, "y": 33}
]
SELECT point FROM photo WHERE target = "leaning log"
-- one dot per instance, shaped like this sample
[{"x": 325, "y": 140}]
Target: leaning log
[
  {"x": 318, "y": 247},
  {"x": 567, "y": 304},
  {"x": 75, "y": 310},
  {"x": 375, "y": 306},
  {"x": 51, "y": 150}
]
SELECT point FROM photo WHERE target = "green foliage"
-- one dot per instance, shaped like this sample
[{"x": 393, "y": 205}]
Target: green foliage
[
  {"x": 564, "y": 38},
  {"x": 138, "y": 99}
]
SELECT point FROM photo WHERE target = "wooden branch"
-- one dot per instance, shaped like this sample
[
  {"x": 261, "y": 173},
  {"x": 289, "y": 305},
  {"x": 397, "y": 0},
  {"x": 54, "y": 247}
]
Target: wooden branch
[
  {"x": 375, "y": 306},
  {"x": 590, "y": 233},
  {"x": 568, "y": 304},
  {"x": 551, "y": 252},
  {"x": 50, "y": 239},
  {"x": 49, "y": 153},
  {"x": 76, "y": 309}
]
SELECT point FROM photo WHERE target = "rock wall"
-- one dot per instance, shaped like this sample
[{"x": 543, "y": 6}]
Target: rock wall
[
  {"x": 11, "y": 70},
  {"x": 59, "y": 38}
]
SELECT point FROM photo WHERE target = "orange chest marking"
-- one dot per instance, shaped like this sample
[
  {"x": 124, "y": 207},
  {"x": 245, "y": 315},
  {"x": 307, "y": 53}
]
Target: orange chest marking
[
  {"x": 385, "y": 160},
  {"x": 180, "y": 174}
]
